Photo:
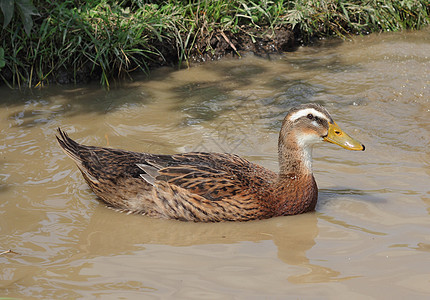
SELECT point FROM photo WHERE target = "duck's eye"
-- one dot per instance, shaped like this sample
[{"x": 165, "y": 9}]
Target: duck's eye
[{"x": 310, "y": 116}]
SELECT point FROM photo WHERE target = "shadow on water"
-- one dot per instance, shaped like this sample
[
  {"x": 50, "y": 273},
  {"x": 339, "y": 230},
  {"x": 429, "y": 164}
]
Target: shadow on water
[
  {"x": 331, "y": 65},
  {"x": 43, "y": 106},
  {"x": 205, "y": 101},
  {"x": 330, "y": 62}
]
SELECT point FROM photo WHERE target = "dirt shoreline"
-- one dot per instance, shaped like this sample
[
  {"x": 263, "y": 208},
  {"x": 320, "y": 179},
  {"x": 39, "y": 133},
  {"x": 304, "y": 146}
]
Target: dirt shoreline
[{"x": 228, "y": 44}]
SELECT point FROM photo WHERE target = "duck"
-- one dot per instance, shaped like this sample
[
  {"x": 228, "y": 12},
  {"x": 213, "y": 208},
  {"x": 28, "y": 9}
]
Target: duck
[{"x": 213, "y": 187}]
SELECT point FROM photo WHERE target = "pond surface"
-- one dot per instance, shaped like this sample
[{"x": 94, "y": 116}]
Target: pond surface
[{"x": 369, "y": 236}]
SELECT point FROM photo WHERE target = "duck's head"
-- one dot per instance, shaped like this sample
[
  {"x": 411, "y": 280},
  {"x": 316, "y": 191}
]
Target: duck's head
[{"x": 306, "y": 125}]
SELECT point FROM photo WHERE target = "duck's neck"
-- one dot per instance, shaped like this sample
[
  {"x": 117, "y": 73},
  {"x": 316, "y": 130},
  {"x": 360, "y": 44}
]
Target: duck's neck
[
  {"x": 296, "y": 191},
  {"x": 295, "y": 158}
]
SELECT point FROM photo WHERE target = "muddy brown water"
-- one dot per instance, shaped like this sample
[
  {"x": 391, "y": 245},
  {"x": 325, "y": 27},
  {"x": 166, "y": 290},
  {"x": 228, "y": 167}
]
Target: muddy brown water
[{"x": 369, "y": 236}]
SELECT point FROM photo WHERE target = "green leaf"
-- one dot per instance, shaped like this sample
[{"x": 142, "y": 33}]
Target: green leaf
[
  {"x": 2, "y": 61},
  {"x": 26, "y": 9},
  {"x": 7, "y": 7}
]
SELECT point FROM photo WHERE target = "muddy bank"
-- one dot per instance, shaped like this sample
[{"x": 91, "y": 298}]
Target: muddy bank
[
  {"x": 212, "y": 46},
  {"x": 228, "y": 44},
  {"x": 208, "y": 47}
]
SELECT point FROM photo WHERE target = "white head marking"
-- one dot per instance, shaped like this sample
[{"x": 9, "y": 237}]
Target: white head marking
[{"x": 305, "y": 112}]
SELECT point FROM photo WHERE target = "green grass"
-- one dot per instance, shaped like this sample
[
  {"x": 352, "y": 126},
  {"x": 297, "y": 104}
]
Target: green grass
[{"x": 110, "y": 39}]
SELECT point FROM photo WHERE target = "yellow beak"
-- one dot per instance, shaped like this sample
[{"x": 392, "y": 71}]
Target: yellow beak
[{"x": 337, "y": 136}]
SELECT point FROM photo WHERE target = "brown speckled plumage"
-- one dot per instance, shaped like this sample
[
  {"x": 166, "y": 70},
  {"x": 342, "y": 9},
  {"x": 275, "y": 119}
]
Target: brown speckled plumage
[{"x": 207, "y": 187}]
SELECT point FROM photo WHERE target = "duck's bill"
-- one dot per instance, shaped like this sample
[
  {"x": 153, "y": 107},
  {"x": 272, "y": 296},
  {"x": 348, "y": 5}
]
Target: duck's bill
[{"x": 337, "y": 136}]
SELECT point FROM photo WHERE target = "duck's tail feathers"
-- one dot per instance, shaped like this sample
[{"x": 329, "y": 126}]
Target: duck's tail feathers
[
  {"x": 69, "y": 146},
  {"x": 73, "y": 150}
]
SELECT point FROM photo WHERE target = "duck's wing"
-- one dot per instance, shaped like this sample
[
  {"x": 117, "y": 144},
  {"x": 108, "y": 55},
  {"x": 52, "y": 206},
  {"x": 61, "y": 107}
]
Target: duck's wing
[
  {"x": 208, "y": 187},
  {"x": 214, "y": 176}
]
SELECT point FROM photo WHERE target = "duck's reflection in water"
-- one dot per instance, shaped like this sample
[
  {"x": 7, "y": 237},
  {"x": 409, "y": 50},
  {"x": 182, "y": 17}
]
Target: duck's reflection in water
[{"x": 111, "y": 233}]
